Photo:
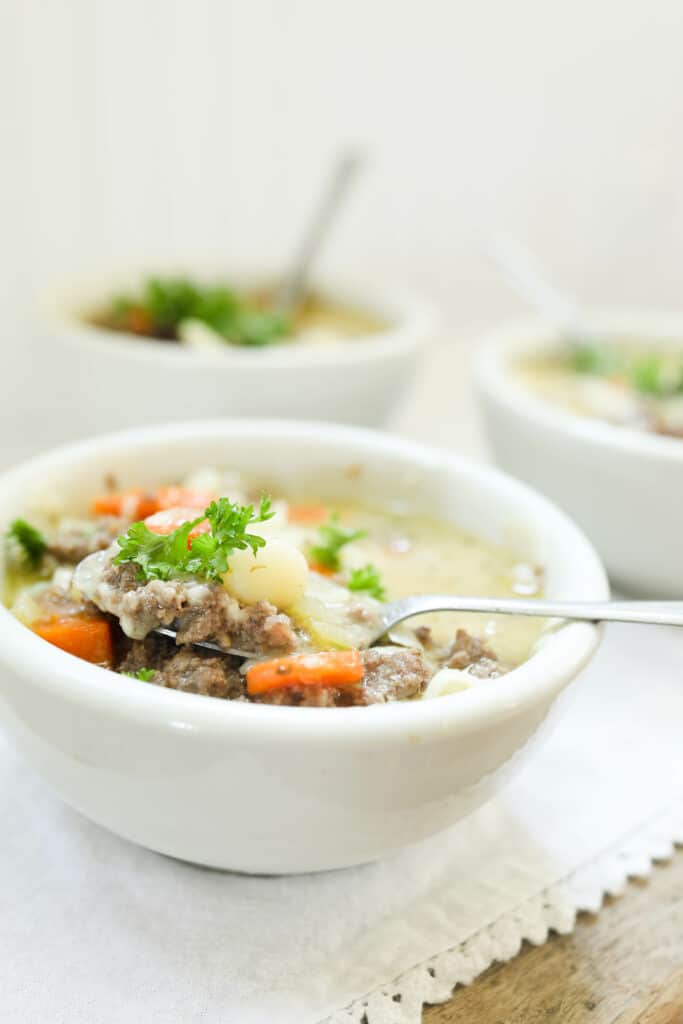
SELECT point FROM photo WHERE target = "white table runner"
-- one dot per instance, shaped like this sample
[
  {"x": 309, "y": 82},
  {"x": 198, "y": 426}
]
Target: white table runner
[{"x": 97, "y": 930}]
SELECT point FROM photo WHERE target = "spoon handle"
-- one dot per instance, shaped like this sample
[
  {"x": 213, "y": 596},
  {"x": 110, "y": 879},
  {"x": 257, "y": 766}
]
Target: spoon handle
[
  {"x": 658, "y": 613},
  {"x": 292, "y": 288},
  {"x": 523, "y": 273}
]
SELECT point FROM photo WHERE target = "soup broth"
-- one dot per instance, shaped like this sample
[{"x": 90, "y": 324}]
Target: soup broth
[{"x": 290, "y": 589}]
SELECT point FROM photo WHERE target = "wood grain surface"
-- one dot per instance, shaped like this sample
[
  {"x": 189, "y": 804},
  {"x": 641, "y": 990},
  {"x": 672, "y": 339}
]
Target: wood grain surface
[{"x": 623, "y": 966}]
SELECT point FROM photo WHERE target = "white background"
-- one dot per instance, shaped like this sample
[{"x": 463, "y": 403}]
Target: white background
[{"x": 135, "y": 128}]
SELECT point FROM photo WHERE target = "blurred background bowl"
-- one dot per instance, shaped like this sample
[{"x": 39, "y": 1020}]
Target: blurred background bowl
[
  {"x": 623, "y": 486},
  {"x": 114, "y": 379}
]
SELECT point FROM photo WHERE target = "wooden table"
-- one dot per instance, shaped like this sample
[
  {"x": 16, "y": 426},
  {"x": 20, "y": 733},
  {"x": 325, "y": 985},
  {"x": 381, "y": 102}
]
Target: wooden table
[{"x": 623, "y": 966}]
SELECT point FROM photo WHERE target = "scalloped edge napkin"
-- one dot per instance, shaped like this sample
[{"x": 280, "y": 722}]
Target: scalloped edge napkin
[{"x": 94, "y": 928}]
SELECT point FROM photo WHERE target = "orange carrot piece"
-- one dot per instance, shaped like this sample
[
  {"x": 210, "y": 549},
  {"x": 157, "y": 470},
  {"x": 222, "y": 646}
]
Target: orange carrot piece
[
  {"x": 139, "y": 321},
  {"x": 168, "y": 520},
  {"x": 328, "y": 668},
  {"x": 138, "y": 503},
  {"x": 85, "y": 636},
  {"x": 308, "y": 515},
  {"x": 322, "y": 570},
  {"x": 134, "y": 504},
  {"x": 177, "y": 497}
]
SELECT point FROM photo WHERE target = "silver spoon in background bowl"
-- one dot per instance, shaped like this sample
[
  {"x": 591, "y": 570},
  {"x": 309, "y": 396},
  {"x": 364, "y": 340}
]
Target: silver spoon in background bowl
[
  {"x": 293, "y": 287},
  {"x": 654, "y": 613},
  {"x": 602, "y": 397},
  {"x": 523, "y": 273},
  {"x": 291, "y": 291}
]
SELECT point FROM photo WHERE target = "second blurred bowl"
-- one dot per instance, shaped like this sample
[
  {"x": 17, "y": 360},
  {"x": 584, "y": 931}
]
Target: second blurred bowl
[
  {"x": 115, "y": 379},
  {"x": 623, "y": 486}
]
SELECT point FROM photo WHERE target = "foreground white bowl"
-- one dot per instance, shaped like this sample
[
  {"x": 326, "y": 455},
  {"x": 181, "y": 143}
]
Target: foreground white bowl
[
  {"x": 623, "y": 486},
  {"x": 115, "y": 379},
  {"x": 284, "y": 789}
]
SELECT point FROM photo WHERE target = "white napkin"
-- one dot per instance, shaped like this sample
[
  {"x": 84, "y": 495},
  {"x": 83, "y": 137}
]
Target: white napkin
[{"x": 96, "y": 930}]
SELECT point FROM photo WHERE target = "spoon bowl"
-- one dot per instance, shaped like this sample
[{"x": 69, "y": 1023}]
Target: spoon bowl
[{"x": 653, "y": 613}]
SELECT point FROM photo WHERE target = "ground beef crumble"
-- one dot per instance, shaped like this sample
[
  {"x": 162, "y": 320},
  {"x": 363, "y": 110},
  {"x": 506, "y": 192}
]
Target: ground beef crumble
[
  {"x": 253, "y": 627},
  {"x": 471, "y": 653},
  {"x": 73, "y": 543},
  {"x": 466, "y": 653},
  {"x": 199, "y": 611},
  {"x": 60, "y": 606},
  {"x": 188, "y": 668}
]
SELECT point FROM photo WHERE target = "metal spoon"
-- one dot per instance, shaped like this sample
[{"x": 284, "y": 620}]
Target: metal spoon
[
  {"x": 523, "y": 273},
  {"x": 655, "y": 613},
  {"x": 292, "y": 288}
]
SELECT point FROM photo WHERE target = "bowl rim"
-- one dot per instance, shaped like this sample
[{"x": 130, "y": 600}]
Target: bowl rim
[
  {"x": 413, "y": 319},
  {"x": 520, "y": 337},
  {"x": 557, "y": 661}
]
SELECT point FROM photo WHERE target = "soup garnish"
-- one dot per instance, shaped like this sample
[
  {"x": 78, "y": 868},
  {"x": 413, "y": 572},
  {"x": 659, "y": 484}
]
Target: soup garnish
[
  {"x": 626, "y": 384},
  {"x": 181, "y": 309},
  {"x": 297, "y": 583}
]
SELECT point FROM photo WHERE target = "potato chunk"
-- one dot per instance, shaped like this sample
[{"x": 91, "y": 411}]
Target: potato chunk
[{"x": 277, "y": 573}]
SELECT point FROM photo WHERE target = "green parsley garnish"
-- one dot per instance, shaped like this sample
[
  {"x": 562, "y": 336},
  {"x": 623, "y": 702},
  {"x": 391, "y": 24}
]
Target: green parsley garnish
[
  {"x": 331, "y": 539},
  {"x": 646, "y": 375},
  {"x": 28, "y": 541},
  {"x": 166, "y": 302},
  {"x": 144, "y": 674},
  {"x": 367, "y": 579},
  {"x": 168, "y": 557},
  {"x": 595, "y": 359},
  {"x": 649, "y": 373}
]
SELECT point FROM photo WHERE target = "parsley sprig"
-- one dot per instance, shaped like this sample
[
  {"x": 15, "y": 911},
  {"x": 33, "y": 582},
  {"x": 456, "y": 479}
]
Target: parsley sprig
[
  {"x": 648, "y": 373},
  {"x": 597, "y": 360},
  {"x": 331, "y": 539},
  {"x": 367, "y": 579},
  {"x": 145, "y": 675},
  {"x": 648, "y": 377},
  {"x": 27, "y": 542},
  {"x": 164, "y": 302},
  {"x": 165, "y": 557}
]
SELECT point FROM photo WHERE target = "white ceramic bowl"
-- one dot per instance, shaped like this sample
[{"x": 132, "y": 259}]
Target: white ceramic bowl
[
  {"x": 116, "y": 380},
  {"x": 624, "y": 487},
  {"x": 273, "y": 789}
]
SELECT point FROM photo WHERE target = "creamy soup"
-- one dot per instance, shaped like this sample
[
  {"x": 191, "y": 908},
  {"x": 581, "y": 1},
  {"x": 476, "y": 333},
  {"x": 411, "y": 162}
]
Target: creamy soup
[
  {"x": 292, "y": 589},
  {"x": 628, "y": 384},
  {"x": 213, "y": 316}
]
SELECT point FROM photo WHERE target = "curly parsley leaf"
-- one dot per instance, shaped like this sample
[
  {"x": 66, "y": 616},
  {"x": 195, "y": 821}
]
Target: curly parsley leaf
[
  {"x": 367, "y": 579},
  {"x": 647, "y": 375},
  {"x": 164, "y": 302},
  {"x": 146, "y": 675},
  {"x": 331, "y": 539},
  {"x": 599, "y": 360},
  {"x": 256, "y": 327},
  {"x": 27, "y": 541},
  {"x": 157, "y": 557},
  {"x": 173, "y": 555}
]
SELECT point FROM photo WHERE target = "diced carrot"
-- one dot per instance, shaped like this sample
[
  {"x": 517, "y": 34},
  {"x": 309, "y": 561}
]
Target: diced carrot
[
  {"x": 85, "y": 636},
  {"x": 169, "y": 519},
  {"x": 322, "y": 570},
  {"x": 138, "y": 321},
  {"x": 135, "y": 504},
  {"x": 177, "y": 497},
  {"x": 328, "y": 668},
  {"x": 138, "y": 503},
  {"x": 308, "y": 515}
]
